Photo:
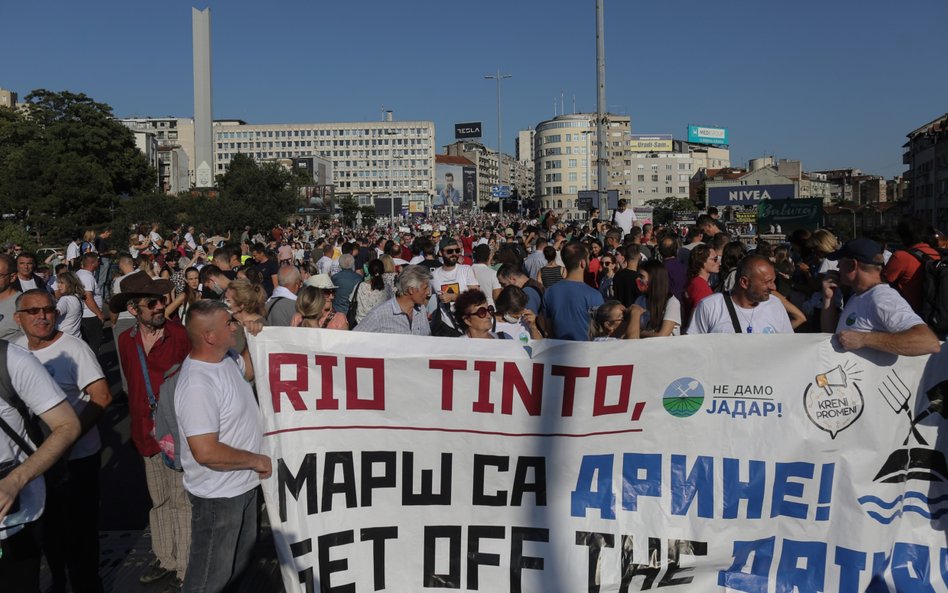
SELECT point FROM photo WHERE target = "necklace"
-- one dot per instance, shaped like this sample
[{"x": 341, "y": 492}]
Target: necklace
[{"x": 750, "y": 322}]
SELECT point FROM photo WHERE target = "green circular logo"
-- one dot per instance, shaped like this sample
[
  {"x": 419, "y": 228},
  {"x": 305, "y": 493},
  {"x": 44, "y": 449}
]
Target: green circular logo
[
  {"x": 851, "y": 319},
  {"x": 684, "y": 397}
]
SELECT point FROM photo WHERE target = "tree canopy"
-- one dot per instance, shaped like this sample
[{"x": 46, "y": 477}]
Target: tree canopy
[{"x": 65, "y": 162}]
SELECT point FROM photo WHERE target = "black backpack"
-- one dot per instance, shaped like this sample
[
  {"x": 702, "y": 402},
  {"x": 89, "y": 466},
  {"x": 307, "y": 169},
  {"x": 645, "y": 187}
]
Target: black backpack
[{"x": 934, "y": 291}]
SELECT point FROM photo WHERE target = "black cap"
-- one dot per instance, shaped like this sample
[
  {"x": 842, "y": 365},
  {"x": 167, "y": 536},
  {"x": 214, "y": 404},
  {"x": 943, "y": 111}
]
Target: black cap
[{"x": 862, "y": 250}]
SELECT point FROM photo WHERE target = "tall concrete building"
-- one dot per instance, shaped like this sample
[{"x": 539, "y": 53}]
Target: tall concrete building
[
  {"x": 926, "y": 181},
  {"x": 370, "y": 159},
  {"x": 175, "y": 149},
  {"x": 512, "y": 172},
  {"x": 565, "y": 163},
  {"x": 203, "y": 116}
]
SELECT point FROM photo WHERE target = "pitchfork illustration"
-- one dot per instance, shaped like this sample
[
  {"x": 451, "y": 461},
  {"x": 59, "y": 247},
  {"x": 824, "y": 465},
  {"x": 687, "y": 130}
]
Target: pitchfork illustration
[{"x": 897, "y": 394}]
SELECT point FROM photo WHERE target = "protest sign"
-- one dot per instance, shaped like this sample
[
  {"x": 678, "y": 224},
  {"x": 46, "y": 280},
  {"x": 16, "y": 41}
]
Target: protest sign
[{"x": 696, "y": 463}]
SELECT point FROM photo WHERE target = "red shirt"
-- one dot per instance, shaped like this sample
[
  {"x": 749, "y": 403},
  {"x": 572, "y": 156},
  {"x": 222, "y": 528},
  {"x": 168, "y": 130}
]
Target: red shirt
[
  {"x": 698, "y": 289},
  {"x": 168, "y": 351},
  {"x": 904, "y": 272}
]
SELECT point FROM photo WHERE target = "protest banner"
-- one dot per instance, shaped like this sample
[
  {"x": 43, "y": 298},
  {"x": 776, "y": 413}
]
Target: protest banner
[{"x": 696, "y": 463}]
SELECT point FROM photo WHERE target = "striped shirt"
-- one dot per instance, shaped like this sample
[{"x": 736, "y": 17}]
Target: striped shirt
[{"x": 388, "y": 318}]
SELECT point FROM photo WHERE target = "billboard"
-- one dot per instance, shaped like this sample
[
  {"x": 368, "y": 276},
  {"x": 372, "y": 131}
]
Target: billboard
[
  {"x": 454, "y": 185},
  {"x": 470, "y": 186},
  {"x": 748, "y": 195},
  {"x": 587, "y": 199},
  {"x": 789, "y": 215},
  {"x": 706, "y": 135},
  {"x": 467, "y": 130},
  {"x": 651, "y": 143},
  {"x": 383, "y": 206}
]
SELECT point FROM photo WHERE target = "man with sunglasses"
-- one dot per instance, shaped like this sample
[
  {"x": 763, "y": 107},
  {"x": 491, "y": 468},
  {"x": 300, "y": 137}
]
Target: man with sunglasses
[
  {"x": 147, "y": 351},
  {"x": 70, "y": 525},
  {"x": 875, "y": 316},
  {"x": 452, "y": 278}
]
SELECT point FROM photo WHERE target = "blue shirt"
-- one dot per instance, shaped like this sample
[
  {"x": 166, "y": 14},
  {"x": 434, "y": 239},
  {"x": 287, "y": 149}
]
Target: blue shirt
[{"x": 567, "y": 305}]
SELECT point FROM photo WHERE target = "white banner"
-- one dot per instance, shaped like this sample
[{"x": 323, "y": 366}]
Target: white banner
[{"x": 698, "y": 463}]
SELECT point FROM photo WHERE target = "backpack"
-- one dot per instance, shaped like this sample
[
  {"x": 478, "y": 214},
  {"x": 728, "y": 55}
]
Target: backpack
[
  {"x": 934, "y": 292},
  {"x": 166, "y": 423},
  {"x": 167, "y": 432}
]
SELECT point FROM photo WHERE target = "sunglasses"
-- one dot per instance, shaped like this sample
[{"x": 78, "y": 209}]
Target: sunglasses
[
  {"x": 328, "y": 290},
  {"x": 49, "y": 310},
  {"x": 152, "y": 303},
  {"x": 481, "y": 312},
  {"x": 608, "y": 263},
  {"x": 452, "y": 251}
]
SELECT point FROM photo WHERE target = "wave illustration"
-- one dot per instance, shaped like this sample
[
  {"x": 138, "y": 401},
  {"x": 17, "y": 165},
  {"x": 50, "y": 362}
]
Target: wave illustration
[{"x": 927, "y": 511}]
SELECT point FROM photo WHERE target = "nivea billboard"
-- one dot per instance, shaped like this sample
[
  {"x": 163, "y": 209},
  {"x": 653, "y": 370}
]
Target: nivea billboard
[{"x": 748, "y": 195}]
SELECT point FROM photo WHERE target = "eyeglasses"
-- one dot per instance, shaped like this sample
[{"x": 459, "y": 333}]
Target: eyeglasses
[
  {"x": 152, "y": 303},
  {"x": 481, "y": 312},
  {"x": 608, "y": 263},
  {"x": 452, "y": 251},
  {"x": 49, "y": 310},
  {"x": 328, "y": 290}
]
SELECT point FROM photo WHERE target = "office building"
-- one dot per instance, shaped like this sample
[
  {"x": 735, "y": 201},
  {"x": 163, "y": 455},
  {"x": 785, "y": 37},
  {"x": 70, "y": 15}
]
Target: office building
[
  {"x": 926, "y": 181},
  {"x": 564, "y": 157}
]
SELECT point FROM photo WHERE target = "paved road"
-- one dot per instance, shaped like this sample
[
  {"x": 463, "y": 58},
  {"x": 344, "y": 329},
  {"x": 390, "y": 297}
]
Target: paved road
[{"x": 126, "y": 547}]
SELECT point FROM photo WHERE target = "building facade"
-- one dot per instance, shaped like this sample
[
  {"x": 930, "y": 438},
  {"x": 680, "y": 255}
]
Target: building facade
[
  {"x": 370, "y": 159},
  {"x": 565, "y": 161},
  {"x": 175, "y": 148},
  {"x": 926, "y": 180}
]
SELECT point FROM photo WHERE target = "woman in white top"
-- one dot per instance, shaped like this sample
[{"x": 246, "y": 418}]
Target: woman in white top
[
  {"x": 656, "y": 313},
  {"x": 69, "y": 296},
  {"x": 372, "y": 291}
]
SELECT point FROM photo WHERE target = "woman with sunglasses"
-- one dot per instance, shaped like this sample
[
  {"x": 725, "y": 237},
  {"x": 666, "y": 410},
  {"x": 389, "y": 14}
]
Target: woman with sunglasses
[
  {"x": 656, "y": 313},
  {"x": 606, "y": 274},
  {"x": 474, "y": 317},
  {"x": 703, "y": 262},
  {"x": 512, "y": 316}
]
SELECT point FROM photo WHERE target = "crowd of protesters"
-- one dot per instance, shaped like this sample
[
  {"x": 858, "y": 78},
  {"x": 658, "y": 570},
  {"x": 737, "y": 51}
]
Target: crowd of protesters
[{"x": 175, "y": 298}]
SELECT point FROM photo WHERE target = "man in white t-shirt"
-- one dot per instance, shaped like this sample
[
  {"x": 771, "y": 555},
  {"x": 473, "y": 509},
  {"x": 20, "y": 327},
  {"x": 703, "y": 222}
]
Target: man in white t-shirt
[
  {"x": 70, "y": 524},
  {"x": 624, "y": 217},
  {"x": 222, "y": 432},
  {"x": 92, "y": 315},
  {"x": 485, "y": 277},
  {"x": 875, "y": 315},
  {"x": 24, "y": 486},
  {"x": 452, "y": 278},
  {"x": 755, "y": 310}
]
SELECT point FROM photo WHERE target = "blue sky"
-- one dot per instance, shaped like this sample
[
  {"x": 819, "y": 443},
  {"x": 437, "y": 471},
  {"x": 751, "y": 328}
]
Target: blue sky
[{"x": 835, "y": 83}]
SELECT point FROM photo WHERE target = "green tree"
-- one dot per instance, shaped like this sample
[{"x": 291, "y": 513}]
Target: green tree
[
  {"x": 250, "y": 194},
  {"x": 64, "y": 161}
]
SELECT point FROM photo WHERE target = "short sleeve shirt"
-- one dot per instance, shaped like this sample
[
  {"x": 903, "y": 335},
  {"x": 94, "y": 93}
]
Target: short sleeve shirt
[
  {"x": 879, "y": 309},
  {"x": 712, "y": 317}
]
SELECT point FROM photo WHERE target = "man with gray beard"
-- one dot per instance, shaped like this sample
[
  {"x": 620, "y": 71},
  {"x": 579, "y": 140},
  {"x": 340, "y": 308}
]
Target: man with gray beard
[{"x": 147, "y": 351}]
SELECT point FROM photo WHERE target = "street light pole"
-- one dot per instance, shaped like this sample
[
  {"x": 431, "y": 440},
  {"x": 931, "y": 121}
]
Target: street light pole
[
  {"x": 602, "y": 188},
  {"x": 498, "y": 77}
]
